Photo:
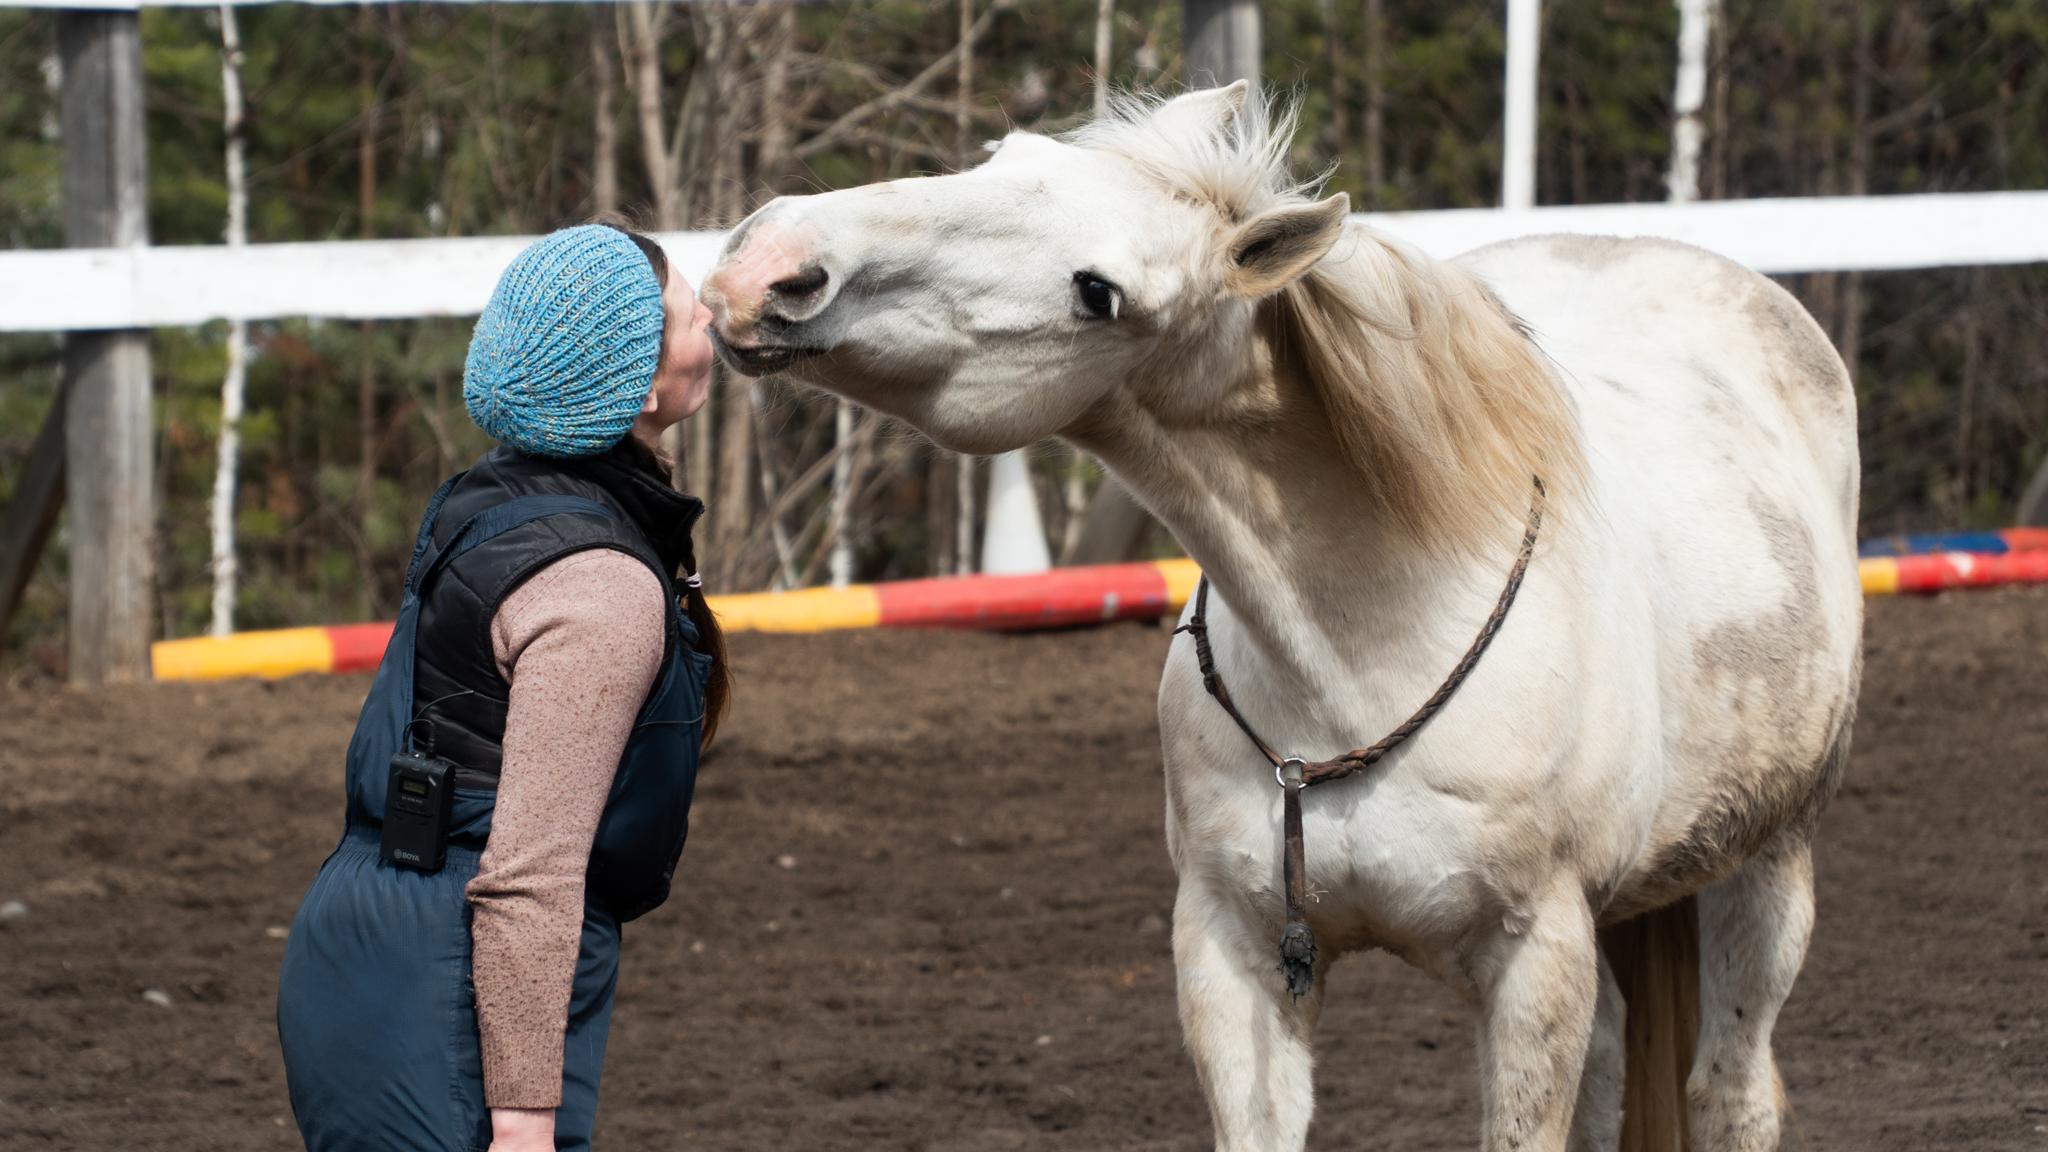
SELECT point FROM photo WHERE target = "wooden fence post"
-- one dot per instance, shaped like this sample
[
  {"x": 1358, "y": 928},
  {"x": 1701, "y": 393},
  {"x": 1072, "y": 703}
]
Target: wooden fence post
[
  {"x": 1222, "y": 41},
  {"x": 107, "y": 427}
]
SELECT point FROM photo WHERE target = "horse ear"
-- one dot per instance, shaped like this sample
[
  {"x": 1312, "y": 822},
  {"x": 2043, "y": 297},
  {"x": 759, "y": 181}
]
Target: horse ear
[
  {"x": 1274, "y": 248},
  {"x": 1205, "y": 110}
]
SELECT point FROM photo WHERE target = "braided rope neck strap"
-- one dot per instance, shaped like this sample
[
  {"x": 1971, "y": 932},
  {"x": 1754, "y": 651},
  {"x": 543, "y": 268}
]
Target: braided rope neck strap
[{"x": 1293, "y": 773}]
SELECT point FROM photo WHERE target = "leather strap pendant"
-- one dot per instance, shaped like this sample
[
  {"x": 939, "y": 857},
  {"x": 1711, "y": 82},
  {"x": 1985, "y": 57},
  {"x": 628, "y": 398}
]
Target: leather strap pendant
[{"x": 1297, "y": 940}]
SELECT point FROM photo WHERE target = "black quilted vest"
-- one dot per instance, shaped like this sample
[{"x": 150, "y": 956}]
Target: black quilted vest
[{"x": 458, "y": 696}]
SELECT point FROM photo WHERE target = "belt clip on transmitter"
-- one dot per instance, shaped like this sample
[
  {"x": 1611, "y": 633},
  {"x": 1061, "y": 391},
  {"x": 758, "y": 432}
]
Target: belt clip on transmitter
[{"x": 418, "y": 798}]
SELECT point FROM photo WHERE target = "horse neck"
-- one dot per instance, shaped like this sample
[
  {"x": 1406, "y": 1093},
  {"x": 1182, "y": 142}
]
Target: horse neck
[{"x": 1287, "y": 529}]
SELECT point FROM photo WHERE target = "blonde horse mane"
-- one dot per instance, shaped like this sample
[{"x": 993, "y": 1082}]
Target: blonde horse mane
[{"x": 1433, "y": 389}]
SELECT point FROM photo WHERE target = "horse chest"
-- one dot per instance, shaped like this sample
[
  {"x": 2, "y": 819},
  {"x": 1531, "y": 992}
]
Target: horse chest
[
  {"x": 1402, "y": 866},
  {"x": 1539, "y": 772},
  {"x": 1392, "y": 861}
]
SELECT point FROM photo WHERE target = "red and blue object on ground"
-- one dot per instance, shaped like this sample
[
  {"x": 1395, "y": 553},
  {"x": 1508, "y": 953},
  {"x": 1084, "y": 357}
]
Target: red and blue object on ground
[{"x": 1982, "y": 543}]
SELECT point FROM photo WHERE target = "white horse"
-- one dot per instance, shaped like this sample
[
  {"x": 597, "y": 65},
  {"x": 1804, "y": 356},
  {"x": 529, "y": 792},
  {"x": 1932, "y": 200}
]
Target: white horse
[{"x": 1344, "y": 433}]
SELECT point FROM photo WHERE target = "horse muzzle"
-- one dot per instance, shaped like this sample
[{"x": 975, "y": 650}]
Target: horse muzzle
[{"x": 758, "y": 358}]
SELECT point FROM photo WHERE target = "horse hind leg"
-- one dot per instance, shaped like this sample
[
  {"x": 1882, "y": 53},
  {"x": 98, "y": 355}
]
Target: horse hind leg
[
  {"x": 1250, "y": 1040},
  {"x": 1754, "y": 928}
]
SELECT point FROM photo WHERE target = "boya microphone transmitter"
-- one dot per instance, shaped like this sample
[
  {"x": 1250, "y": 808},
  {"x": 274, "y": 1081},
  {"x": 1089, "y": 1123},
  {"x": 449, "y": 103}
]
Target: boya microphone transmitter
[{"x": 418, "y": 799}]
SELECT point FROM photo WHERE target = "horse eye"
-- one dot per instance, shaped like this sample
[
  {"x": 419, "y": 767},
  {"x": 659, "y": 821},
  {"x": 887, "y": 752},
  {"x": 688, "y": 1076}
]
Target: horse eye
[{"x": 1099, "y": 297}]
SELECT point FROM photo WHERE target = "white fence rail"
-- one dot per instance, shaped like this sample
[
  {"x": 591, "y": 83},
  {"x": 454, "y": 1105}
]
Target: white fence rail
[
  {"x": 75, "y": 289},
  {"x": 135, "y": 5}
]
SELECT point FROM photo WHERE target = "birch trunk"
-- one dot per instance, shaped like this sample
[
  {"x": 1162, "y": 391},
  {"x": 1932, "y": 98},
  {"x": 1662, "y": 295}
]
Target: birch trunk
[
  {"x": 229, "y": 457},
  {"x": 366, "y": 369},
  {"x": 688, "y": 444},
  {"x": 735, "y": 102},
  {"x": 771, "y": 494},
  {"x": 1105, "y": 16},
  {"x": 1851, "y": 345},
  {"x": 1076, "y": 481},
  {"x": 1695, "y": 31},
  {"x": 841, "y": 523},
  {"x": 698, "y": 461},
  {"x": 693, "y": 127},
  {"x": 644, "y": 50},
  {"x": 1375, "y": 100},
  {"x": 1076, "y": 505},
  {"x": 726, "y": 118},
  {"x": 963, "y": 515},
  {"x": 938, "y": 511},
  {"x": 1967, "y": 402},
  {"x": 733, "y": 516},
  {"x": 695, "y": 164},
  {"x": 963, "y": 472},
  {"x": 743, "y": 459},
  {"x": 963, "y": 86},
  {"x": 1721, "y": 127},
  {"x": 773, "y": 158},
  {"x": 604, "y": 79},
  {"x": 1333, "y": 52}
]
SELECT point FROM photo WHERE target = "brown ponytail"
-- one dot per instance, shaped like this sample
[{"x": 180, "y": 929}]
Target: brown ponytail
[
  {"x": 711, "y": 641},
  {"x": 710, "y": 637}
]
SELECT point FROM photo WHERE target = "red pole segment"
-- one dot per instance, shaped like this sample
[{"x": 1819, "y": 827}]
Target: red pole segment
[
  {"x": 1061, "y": 598},
  {"x": 358, "y": 647},
  {"x": 1935, "y": 571}
]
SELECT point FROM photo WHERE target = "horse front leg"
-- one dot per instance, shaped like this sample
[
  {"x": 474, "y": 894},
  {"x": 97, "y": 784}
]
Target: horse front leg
[
  {"x": 1596, "y": 1121},
  {"x": 1249, "y": 1038},
  {"x": 1538, "y": 973}
]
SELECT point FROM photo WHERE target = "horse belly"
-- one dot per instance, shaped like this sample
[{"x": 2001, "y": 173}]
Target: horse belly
[
  {"x": 1753, "y": 627},
  {"x": 1754, "y": 758}
]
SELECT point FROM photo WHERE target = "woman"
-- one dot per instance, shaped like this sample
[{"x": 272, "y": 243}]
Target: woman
[{"x": 544, "y": 678}]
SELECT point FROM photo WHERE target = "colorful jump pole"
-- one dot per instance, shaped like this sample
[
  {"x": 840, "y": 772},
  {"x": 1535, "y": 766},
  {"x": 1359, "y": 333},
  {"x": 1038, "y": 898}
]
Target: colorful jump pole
[
  {"x": 1937, "y": 571},
  {"x": 1061, "y": 598}
]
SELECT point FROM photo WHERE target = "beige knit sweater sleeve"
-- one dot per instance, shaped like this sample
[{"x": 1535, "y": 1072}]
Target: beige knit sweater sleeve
[{"x": 580, "y": 643}]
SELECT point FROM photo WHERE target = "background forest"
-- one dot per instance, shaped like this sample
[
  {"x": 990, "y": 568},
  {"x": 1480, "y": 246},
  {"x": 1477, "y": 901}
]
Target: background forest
[{"x": 454, "y": 120}]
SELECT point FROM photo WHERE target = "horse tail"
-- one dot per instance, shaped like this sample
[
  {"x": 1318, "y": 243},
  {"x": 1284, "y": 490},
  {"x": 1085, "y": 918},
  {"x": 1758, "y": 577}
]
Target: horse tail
[{"x": 1656, "y": 960}]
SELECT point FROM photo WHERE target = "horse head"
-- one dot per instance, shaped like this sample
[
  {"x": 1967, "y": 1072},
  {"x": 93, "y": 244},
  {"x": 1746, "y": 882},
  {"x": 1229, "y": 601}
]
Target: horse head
[{"x": 1020, "y": 298}]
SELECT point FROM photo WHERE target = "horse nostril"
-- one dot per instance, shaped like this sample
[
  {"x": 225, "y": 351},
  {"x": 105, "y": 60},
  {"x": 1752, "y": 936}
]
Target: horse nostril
[{"x": 808, "y": 281}]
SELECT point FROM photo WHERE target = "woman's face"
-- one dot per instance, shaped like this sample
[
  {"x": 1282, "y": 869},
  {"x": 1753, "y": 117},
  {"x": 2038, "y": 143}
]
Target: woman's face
[{"x": 683, "y": 382}]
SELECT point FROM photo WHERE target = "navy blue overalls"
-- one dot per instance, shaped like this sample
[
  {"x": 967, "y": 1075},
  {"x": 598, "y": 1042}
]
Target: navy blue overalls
[{"x": 376, "y": 1012}]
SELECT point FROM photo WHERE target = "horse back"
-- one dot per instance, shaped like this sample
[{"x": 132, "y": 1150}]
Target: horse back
[{"x": 1720, "y": 429}]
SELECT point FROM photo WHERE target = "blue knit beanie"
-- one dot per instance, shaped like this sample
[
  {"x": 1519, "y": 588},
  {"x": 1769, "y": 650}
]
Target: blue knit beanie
[{"x": 565, "y": 352}]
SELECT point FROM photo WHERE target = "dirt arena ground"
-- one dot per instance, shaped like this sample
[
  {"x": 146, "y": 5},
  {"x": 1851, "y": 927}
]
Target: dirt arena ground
[{"x": 925, "y": 907}]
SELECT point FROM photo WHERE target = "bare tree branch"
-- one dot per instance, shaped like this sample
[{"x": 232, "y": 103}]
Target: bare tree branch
[
  {"x": 837, "y": 132},
  {"x": 898, "y": 143}
]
